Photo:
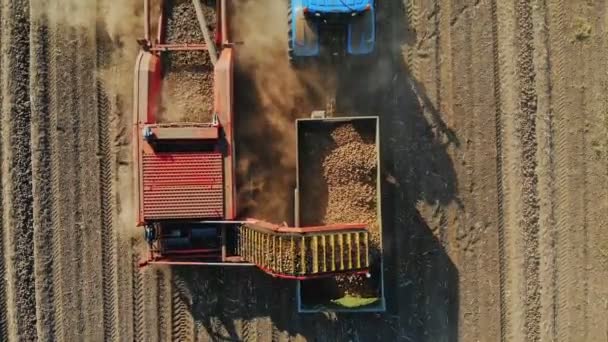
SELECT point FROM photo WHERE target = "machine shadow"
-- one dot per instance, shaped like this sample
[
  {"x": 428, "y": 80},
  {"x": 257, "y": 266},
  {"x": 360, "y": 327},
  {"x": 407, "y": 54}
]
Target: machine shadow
[{"x": 420, "y": 280}]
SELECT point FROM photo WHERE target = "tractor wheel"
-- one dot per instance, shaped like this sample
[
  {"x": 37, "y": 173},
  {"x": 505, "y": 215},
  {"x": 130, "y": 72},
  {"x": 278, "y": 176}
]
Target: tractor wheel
[{"x": 293, "y": 59}]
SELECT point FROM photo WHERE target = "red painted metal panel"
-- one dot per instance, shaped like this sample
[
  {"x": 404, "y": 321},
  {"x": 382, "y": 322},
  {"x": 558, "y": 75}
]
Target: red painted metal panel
[
  {"x": 182, "y": 186},
  {"x": 223, "y": 104}
]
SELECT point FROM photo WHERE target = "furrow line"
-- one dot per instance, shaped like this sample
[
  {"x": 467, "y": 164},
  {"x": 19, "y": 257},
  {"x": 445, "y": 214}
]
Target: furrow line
[
  {"x": 164, "y": 305},
  {"x": 563, "y": 272},
  {"x": 106, "y": 198},
  {"x": 54, "y": 63},
  {"x": 278, "y": 317},
  {"x": 526, "y": 129},
  {"x": 584, "y": 279},
  {"x": 596, "y": 158},
  {"x": 75, "y": 181},
  {"x": 17, "y": 172},
  {"x": 263, "y": 305},
  {"x": 182, "y": 327},
  {"x": 249, "y": 322},
  {"x": 481, "y": 239},
  {"x": 138, "y": 301},
  {"x": 91, "y": 232},
  {"x": 41, "y": 169},
  {"x": 231, "y": 303},
  {"x": 3, "y": 308},
  {"x": 67, "y": 188},
  {"x": 508, "y": 170},
  {"x": 215, "y": 302},
  {"x": 470, "y": 181},
  {"x": 546, "y": 172},
  {"x": 440, "y": 102},
  {"x": 499, "y": 171},
  {"x": 413, "y": 13}
]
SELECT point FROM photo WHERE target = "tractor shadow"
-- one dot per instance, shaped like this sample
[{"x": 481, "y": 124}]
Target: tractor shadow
[{"x": 420, "y": 280}]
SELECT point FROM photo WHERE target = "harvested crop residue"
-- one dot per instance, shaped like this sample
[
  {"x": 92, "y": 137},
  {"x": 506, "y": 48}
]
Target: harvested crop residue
[
  {"x": 187, "y": 94},
  {"x": 338, "y": 185}
]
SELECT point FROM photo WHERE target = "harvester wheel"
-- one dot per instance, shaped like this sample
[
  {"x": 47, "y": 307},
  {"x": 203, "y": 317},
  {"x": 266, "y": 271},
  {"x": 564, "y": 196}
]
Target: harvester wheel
[{"x": 149, "y": 234}]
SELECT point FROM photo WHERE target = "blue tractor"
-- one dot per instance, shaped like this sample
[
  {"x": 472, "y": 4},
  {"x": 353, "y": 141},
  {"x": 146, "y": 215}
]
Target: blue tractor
[{"x": 331, "y": 28}]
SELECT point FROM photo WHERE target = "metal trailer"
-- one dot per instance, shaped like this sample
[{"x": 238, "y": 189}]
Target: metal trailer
[{"x": 319, "y": 121}]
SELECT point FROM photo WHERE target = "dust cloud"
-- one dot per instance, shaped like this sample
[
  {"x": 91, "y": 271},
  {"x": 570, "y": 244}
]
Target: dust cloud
[
  {"x": 271, "y": 96},
  {"x": 118, "y": 25}
]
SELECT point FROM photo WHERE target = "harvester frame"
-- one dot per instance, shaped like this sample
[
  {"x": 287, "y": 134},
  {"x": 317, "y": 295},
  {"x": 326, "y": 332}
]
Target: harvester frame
[{"x": 185, "y": 182}]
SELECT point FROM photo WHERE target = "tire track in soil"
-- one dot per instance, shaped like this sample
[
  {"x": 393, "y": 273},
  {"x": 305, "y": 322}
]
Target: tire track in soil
[
  {"x": 564, "y": 269},
  {"x": 126, "y": 324},
  {"x": 42, "y": 190},
  {"x": 212, "y": 309},
  {"x": 250, "y": 321},
  {"x": 526, "y": 129},
  {"x": 54, "y": 62},
  {"x": 150, "y": 298},
  {"x": 68, "y": 230},
  {"x": 441, "y": 101},
  {"x": 230, "y": 302},
  {"x": 409, "y": 256},
  {"x": 182, "y": 325},
  {"x": 499, "y": 168},
  {"x": 508, "y": 168},
  {"x": 152, "y": 303},
  {"x": 17, "y": 174},
  {"x": 280, "y": 311},
  {"x": 582, "y": 100},
  {"x": 596, "y": 114},
  {"x": 164, "y": 304},
  {"x": 138, "y": 300},
  {"x": 436, "y": 58},
  {"x": 88, "y": 159},
  {"x": 480, "y": 240},
  {"x": 546, "y": 171},
  {"x": 3, "y": 308},
  {"x": 74, "y": 234},
  {"x": 466, "y": 72},
  {"x": 583, "y": 280},
  {"x": 106, "y": 199},
  {"x": 262, "y": 304}
]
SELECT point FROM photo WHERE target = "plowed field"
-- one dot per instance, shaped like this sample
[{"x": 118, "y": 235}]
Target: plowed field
[{"x": 494, "y": 122}]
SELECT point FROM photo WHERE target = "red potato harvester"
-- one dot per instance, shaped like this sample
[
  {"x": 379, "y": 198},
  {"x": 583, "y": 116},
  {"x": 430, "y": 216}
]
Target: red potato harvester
[{"x": 185, "y": 180}]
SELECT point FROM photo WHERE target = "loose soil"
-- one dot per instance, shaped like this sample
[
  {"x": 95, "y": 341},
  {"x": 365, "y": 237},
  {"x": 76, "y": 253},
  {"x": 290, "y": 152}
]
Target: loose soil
[{"x": 187, "y": 94}]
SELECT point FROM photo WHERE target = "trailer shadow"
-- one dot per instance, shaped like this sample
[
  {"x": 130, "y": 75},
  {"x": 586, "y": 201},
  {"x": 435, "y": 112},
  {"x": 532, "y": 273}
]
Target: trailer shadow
[{"x": 421, "y": 281}]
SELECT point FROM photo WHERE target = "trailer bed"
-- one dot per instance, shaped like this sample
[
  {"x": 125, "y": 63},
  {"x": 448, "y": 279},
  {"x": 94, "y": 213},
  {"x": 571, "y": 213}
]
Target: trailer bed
[{"x": 338, "y": 181}]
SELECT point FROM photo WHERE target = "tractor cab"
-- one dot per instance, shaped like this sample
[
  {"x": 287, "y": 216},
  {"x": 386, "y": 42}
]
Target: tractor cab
[{"x": 333, "y": 28}]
